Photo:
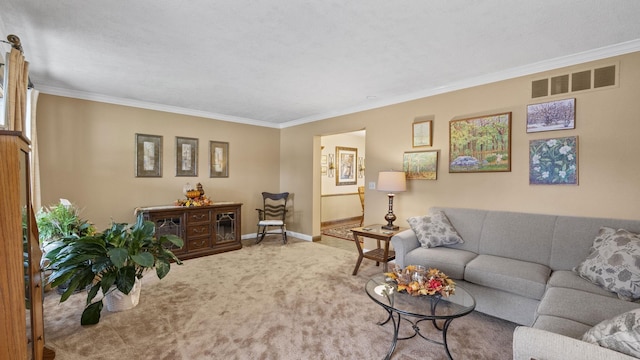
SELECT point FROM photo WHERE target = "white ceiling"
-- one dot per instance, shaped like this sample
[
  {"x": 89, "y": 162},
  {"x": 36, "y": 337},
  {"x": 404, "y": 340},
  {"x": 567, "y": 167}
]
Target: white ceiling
[{"x": 280, "y": 63}]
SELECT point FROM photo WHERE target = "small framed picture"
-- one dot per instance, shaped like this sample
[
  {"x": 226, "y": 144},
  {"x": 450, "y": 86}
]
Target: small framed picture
[
  {"x": 421, "y": 165},
  {"x": 148, "y": 155},
  {"x": 218, "y": 159},
  {"x": 346, "y": 166},
  {"x": 552, "y": 115},
  {"x": 422, "y": 133},
  {"x": 186, "y": 156}
]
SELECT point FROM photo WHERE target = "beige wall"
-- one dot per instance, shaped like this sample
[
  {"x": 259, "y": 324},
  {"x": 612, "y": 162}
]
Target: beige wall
[
  {"x": 608, "y": 125},
  {"x": 87, "y": 156},
  {"x": 87, "y": 151}
]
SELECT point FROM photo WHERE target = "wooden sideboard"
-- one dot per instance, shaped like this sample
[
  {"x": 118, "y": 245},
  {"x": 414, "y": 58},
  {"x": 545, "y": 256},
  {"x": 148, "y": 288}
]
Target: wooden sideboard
[{"x": 205, "y": 230}]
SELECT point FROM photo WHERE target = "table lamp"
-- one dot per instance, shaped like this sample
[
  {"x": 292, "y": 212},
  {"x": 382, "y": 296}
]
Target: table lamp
[{"x": 391, "y": 182}]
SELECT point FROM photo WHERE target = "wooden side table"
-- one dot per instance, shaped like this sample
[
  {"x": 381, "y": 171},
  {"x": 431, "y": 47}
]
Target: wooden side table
[{"x": 380, "y": 255}]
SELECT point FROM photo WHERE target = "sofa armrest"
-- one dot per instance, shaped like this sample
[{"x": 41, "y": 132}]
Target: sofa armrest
[
  {"x": 403, "y": 242},
  {"x": 530, "y": 343}
]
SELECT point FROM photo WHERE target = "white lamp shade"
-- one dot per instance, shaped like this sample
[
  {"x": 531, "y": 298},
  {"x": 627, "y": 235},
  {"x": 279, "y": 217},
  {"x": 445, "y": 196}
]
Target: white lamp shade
[{"x": 392, "y": 181}]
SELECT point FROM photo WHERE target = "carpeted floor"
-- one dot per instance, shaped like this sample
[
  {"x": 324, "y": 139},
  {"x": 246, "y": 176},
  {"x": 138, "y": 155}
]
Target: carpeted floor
[{"x": 267, "y": 301}]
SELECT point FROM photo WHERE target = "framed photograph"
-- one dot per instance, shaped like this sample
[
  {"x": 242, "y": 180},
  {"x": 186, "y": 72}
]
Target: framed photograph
[
  {"x": 552, "y": 115},
  {"x": 553, "y": 161},
  {"x": 422, "y": 134},
  {"x": 218, "y": 159},
  {"x": 186, "y": 156},
  {"x": 148, "y": 155},
  {"x": 481, "y": 144},
  {"x": 421, "y": 165},
  {"x": 346, "y": 165}
]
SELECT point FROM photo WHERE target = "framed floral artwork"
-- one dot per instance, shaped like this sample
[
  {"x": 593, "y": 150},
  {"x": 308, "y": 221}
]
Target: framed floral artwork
[
  {"x": 421, "y": 165},
  {"x": 553, "y": 161},
  {"x": 148, "y": 155},
  {"x": 480, "y": 144}
]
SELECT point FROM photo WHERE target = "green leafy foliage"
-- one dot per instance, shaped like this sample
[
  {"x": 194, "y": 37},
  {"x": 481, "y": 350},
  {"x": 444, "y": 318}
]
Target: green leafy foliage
[
  {"x": 59, "y": 221},
  {"x": 117, "y": 256}
]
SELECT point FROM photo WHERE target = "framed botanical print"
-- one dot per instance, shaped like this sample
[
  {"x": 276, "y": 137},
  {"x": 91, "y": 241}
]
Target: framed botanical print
[
  {"x": 148, "y": 155},
  {"x": 346, "y": 165},
  {"x": 422, "y": 133},
  {"x": 186, "y": 156},
  {"x": 218, "y": 159},
  {"x": 553, "y": 161}
]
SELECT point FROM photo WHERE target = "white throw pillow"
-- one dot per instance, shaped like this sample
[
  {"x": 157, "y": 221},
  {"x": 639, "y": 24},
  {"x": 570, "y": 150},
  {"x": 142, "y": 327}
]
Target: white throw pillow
[
  {"x": 622, "y": 333},
  {"x": 614, "y": 263},
  {"x": 434, "y": 230}
]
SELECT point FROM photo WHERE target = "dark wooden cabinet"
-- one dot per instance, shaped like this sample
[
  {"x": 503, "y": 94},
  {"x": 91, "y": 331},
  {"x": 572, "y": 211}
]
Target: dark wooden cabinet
[{"x": 205, "y": 230}]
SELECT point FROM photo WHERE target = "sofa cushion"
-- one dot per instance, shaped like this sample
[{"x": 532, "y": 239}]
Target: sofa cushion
[
  {"x": 571, "y": 280},
  {"x": 434, "y": 230},
  {"x": 614, "y": 263},
  {"x": 515, "y": 276},
  {"x": 581, "y": 306},
  {"x": 450, "y": 261},
  {"x": 562, "y": 326},
  {"x": 622, "y": 333}
]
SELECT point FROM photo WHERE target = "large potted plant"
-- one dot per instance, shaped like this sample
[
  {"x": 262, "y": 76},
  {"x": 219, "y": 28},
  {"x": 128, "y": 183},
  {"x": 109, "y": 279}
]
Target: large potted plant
[{"x": 111, "y": 261}]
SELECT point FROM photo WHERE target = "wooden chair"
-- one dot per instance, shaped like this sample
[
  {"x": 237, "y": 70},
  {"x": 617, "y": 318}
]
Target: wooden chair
[
  {"x": 272, "y": 214},
  {"x": 361, "y": 195}
]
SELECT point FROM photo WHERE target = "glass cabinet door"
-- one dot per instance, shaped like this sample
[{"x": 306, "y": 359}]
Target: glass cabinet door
[{"x": 225, "y": 226}]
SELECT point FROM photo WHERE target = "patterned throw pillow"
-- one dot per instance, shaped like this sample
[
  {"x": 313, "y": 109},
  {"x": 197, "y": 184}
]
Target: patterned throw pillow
[
  {"x": 614, "y": 263},
  {"x": 434, "y": 230},
  {"x": 622, "y": 333}
]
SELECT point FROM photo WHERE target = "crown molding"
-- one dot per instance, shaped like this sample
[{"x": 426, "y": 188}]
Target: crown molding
[
  {"x": 546, "y": 65},
  {"x": 150, "y": 106},
  {"x": 529, "y": 69}
]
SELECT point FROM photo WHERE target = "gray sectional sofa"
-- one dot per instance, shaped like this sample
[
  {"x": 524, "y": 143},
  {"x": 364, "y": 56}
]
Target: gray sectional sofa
[{"x": 519, "y": 267}]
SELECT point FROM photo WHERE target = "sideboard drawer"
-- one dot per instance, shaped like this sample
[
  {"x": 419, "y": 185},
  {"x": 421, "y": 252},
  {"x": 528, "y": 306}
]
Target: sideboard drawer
[
  {"x": 198, "y": 216},
  {"x": 198, "y": 230},
  {"x": 198, "y": 243}
]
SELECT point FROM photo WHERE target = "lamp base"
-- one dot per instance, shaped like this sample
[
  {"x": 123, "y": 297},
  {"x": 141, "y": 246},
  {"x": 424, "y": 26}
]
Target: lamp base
[{"x": 390, "y": 227}]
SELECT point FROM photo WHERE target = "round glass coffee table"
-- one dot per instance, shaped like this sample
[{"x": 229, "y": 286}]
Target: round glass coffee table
[{"x": 416, "y": 309}]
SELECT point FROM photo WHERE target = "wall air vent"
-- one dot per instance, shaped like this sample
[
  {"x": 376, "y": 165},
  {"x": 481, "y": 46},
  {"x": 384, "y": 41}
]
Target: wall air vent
[{"x": 583, "y": 80}]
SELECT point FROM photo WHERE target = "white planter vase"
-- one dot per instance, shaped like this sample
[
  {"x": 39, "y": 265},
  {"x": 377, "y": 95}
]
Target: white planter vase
[{"x": 116, "y": 300}]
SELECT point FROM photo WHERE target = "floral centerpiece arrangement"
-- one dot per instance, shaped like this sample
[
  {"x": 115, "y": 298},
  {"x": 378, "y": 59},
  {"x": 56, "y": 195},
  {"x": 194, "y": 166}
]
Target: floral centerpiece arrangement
[
  {"x": 416, "y": 281},
  {"x": 194, "y": 197}
]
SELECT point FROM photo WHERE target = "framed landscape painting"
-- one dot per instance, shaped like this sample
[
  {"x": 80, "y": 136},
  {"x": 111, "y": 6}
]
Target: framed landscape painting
[
  {"x": 552, "y": 115},
  {"x": 481, "y": 144},
  {"x": 421, "y": 165},
  {"x": 346, "y": 165},
  {"x": 148, "y": 155},
  {"x": 553, "y": 161}
]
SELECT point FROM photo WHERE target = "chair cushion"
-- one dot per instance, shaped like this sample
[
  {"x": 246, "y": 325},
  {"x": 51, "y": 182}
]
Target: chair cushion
[
  {"x": 434, "y": 230},
  {"x": 621, "y": 333},
  {"x": 614, "y": 263},
  {"x": 271, "y": 223},
  {"x": 515, "y": 276}
]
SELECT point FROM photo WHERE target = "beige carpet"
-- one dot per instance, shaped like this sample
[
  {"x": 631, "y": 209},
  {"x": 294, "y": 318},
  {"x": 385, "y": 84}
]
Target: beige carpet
[{"x": 267, "y": 301}]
